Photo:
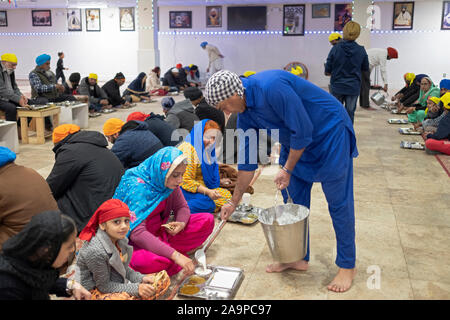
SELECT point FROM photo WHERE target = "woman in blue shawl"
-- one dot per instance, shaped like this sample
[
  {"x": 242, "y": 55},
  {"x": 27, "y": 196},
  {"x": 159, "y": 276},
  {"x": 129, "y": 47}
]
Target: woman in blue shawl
[
  {"x": 162, "y": 230},
  {"x": 201, "y": 179},
  {"x": 137, "y": 88}
]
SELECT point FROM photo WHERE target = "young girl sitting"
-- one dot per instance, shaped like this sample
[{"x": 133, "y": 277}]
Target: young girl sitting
[{"x": 105, "y": 256}]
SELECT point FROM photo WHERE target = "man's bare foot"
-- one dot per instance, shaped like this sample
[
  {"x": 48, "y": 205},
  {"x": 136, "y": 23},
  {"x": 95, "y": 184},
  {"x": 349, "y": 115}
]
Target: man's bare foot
[
  {"x": 301, "y": 265},
  {"x": 343, "y": 280}
]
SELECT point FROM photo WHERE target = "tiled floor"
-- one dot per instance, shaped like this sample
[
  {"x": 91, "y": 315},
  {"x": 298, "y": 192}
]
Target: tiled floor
[{"x": 402, "y": 208}]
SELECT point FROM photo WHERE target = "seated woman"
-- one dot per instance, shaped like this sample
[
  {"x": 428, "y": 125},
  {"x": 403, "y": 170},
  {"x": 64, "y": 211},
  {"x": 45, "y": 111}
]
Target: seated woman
[
  {"x": 31, "y": 260},
  {"x": 201, "y": 181},
  {"x": 105, "y": 256},
  {"x": 136, "y": 89},
  {"x": 438, "y": 142},
  {"x": 409, "y": 80},
  {"x": 154, "y": 83},
  {"x": 411, "y": 95},
  {"x": 416, "y": 113},
  {"x": 162, "y": 227}
]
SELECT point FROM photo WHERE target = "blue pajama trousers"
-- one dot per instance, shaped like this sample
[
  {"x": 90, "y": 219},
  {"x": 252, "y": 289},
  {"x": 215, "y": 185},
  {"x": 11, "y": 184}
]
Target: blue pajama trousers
[{"x": 339, "y": 195}]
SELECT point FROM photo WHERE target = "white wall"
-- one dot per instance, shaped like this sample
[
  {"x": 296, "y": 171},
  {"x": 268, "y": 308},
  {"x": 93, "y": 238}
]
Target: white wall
[
  {"x": 105, "y": 53},
  {"x": 418, "y": 52}
]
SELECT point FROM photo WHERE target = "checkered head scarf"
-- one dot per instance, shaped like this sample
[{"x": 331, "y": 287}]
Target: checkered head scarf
[{"x": 221, "y": 86}]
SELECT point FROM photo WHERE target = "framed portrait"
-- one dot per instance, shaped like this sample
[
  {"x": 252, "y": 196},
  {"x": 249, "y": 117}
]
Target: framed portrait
[
  {"x": 126, "y": 19},
  {"x": 92, "y": 19},
  {"x": 74, "y": 20},
  {"x": 180, "y": 19},
  {"x": 41, "y": 18},
  {"x": 321, "y": 10},
  {"x": 294, "y": 20},
  {"x": 213, "y": 16},
  {"x": 445, "y": 25},
  {"x": 3, "y": 19},
  {"x": 342, "y": 15},
  {"x": 403, "y": 16}
]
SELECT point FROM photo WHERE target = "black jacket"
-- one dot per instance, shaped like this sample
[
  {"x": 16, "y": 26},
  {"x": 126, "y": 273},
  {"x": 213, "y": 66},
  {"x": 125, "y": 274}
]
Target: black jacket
[
  {"x": 443, "y": 129},
  {"x": 112, "y": 90},
  {"x": 135, "y": 144},
  {"x": 86, "y": 174},
  {"x": 172, "y": 81},
  {"x": 13, "y": 288},
  {"x": 161, "y": 129},
  {"x": 205, "y": 111}
]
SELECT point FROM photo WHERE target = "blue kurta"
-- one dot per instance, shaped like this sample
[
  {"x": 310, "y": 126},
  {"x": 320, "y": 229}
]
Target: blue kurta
[{"x": 306, "y": 116}]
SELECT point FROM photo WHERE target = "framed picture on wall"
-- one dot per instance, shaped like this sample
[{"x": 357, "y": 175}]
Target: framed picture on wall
[
  {"x": 41, "y": 18},
  {"x": 74, "y": 20},
  {"x": 294, "y": 20},
  {"x": 445, "y": 16},
  {"x": 213, "y": 16},
  {"x": 3, "y": 19},
  {"x": 126, "y": 19},
  {"x": 403, "y": 16},
  {"x": 342, "y": 15},
  {"x": 180, "y": 19},
  {"x": 92, "y": 19},
  {"x": 321, "y": 10}
]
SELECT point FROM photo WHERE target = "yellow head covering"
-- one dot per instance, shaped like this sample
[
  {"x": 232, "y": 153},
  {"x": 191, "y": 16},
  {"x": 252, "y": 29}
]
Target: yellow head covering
[
  {"x": 248, "y": 73},
  {"x": 334, "y": 36},
  {"x": 410, "y": 77},
  {"x": 112, "y": 126},
  {"x": 436, "y": 100},
  {"x": 93, "y": 76},
  {"x": 445, "y": 99},
  {"x": 62, "y": 131},
  {"x": 351, "y": 30},
  {"x": 297, "y": 71},
  {"x": 9, "y": 57}
]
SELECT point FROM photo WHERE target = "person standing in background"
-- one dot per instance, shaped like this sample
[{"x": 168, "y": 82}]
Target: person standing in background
[
  {"x": 377, "y": 57},
  {"x": 344, "y": 64},
  {"x": 215, "y": 57},
  {"x": 60, "y": 68}
]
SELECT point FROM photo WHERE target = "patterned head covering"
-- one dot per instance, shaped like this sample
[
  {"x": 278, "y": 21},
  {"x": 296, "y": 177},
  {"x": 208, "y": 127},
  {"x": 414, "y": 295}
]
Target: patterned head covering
[
  {"x": 221, "y": 86},
  {"x": 144, "y": 187}
]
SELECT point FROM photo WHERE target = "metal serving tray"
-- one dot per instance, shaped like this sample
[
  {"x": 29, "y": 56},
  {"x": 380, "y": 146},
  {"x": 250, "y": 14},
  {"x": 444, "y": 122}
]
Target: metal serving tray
[
  {"x": 210, "y": 292},
  {"x": 245, "y": 214}
]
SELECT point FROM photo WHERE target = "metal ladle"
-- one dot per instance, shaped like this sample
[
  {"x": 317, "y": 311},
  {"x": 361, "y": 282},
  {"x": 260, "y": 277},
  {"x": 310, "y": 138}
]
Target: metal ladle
[{"x": 200, "y": 255}]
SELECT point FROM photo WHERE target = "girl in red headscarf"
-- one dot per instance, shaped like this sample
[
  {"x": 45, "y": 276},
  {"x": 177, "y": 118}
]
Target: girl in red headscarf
[{"x": 105, "y": 256}]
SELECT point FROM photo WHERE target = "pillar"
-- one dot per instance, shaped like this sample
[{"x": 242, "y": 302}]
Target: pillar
[{"x": 148, "y": 52}]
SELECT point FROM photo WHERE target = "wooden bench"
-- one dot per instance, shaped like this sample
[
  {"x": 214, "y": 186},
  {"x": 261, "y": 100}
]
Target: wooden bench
[{"x": 39, "y": 117}]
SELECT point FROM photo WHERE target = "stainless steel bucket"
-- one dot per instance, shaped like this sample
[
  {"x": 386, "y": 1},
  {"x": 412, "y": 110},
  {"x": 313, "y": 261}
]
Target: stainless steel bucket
[
  {"x": 287, "y": 240},
  {"x": 378, "y": 98}
]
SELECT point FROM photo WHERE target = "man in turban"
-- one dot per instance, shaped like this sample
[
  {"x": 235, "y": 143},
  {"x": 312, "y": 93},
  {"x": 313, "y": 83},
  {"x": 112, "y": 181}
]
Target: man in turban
[
  {"x": 318, "y": 145},
  {"x": 133, "y": 142},
  {"x": 214, "y": 56},
  {"x": 345, "y": 62},
  {"x": 98, "y": 99},
  {"x": 377, "y": 58},
  {"x": 112, "y": 90},
  {"x": 10, "y": 96},
  {"x": 85, "y": 174}
]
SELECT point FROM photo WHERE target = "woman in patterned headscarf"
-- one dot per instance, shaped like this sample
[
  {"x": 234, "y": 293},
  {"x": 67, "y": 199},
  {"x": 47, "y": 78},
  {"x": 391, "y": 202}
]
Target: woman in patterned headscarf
[{"x": 152, "y": 192}]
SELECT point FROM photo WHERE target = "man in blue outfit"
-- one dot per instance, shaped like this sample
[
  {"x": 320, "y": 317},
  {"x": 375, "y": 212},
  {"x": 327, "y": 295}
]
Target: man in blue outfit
[{"x": 318, "y": 145}]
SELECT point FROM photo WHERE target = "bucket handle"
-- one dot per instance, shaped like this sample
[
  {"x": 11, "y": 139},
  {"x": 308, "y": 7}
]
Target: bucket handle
[{"x": 289, "y": 200}]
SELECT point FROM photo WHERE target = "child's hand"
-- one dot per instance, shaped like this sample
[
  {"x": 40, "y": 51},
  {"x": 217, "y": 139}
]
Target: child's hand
[
  {"x": 150, "y": 278},
  {"x": 146, "y": 291}
]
